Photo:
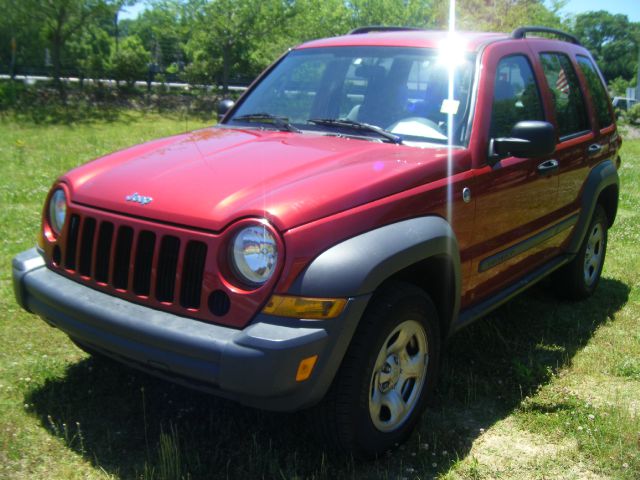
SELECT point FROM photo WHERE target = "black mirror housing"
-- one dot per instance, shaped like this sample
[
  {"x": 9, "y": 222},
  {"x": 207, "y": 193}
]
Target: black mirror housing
[
  {"x": 529, "y": 138},
  {"x": 224, "y": 106}
]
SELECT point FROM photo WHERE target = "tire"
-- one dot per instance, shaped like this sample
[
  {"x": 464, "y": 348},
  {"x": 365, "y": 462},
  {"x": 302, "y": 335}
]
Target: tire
[
  {"x": 388, "y": 372},
  {"x": 580, "y": 277}
]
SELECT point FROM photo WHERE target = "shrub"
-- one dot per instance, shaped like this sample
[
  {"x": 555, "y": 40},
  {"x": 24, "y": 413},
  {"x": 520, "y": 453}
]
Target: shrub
[
  {"x": 633, "y": 114},
  {"x": 131, "y": 61}
]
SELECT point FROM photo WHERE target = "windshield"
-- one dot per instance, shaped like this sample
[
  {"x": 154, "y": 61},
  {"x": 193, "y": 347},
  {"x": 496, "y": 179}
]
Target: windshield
[{"x": 403, "y": 91}]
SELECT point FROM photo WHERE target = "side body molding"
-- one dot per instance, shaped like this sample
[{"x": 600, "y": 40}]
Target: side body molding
[
  {"x": 357, "y": 266},
  {"x": 601, "y": 176}
]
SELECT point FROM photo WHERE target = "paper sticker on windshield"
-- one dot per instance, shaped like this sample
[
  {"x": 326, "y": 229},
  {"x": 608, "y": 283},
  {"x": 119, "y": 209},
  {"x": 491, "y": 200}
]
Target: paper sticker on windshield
[{"x": 449, "y": 106}]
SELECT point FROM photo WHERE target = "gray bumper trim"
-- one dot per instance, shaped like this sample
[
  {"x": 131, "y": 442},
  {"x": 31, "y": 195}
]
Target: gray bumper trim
[{"x": 256, "y": 365}]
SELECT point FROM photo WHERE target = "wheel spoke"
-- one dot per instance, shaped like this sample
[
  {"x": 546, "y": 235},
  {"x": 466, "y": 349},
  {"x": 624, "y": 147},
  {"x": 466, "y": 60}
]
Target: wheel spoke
[
  {"x": 400, "y": 342},
  {"x": 394, "y": 402},
  {"x": 376, "y": 399},
  {"x": 414, "y": 366}
]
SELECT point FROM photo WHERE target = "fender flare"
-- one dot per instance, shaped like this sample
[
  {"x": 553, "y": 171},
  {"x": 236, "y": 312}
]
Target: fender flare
[
  {"x": 601, "y": 176},
  {"x": 358, "y": 265}
]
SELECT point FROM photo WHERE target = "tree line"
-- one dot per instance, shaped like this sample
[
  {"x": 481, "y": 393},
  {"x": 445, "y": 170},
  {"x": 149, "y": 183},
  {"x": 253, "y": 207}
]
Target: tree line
[{"x": 231, "y": 41}]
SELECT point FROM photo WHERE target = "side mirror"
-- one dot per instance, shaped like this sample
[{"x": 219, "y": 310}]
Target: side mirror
[
  {"x": 224, "y": 106},
  {"x": 529, "y": 138}
]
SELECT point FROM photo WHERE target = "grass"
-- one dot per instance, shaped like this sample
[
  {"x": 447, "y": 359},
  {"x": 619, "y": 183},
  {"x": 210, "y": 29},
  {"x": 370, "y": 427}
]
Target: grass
[{"x": 538, "y": 389}]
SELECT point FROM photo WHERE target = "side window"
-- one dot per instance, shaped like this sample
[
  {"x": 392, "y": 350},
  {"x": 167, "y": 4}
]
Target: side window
[
  {"x": 515, "y": 96},
  {"x": 571, "y": 112},
  {"x": 598, "y": 93}
]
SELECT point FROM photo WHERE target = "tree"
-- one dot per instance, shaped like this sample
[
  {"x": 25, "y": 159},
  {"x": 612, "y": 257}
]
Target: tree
[
  {"x": 91, "y": 49},
  {"x": 20, "y": 41},
  {"x": 613, "y": 41},
  {"x": 131, "y": 61},
  {"x": 164, "y": 29},
  {"x": 502, "y": 15},
  {"x": 61, "y": 19},
  {"x": 223, "y": 35}
]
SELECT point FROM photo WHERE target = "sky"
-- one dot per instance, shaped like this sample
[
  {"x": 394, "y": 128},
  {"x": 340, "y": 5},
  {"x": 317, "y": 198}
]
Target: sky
[{"x": 631, "y": 8}]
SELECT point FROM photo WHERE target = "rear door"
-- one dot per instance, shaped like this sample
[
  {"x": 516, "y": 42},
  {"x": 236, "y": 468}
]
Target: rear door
[{"x": 571, "y": 115}]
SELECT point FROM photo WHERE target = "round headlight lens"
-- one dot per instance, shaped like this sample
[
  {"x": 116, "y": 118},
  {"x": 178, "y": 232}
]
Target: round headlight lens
[
  {"x": 57, "y": 210},
  {"x": 254, "y": 252}
]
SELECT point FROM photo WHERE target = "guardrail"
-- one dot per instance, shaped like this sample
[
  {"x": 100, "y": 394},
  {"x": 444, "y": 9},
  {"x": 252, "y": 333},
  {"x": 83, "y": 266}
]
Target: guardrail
[{"x": 32, "y": 79}]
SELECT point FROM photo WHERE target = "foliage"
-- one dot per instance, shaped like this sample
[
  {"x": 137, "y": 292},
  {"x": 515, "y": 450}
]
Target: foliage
[
  {"x": 619, "y": 85},
  {"x": 613, "y": 41},
  {"x": 503, "y": 15},
  {"x": 633, "y": 114},
  {"x": 131, "y": 61}
]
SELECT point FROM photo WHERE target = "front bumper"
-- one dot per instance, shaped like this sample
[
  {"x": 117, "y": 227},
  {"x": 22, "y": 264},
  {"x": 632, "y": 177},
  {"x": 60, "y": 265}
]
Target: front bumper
[{"x": 255, "y": 366}]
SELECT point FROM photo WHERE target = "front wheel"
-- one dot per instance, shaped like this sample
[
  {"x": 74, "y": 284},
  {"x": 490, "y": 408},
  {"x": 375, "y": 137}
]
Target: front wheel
[{"x": 386, "y": 376}]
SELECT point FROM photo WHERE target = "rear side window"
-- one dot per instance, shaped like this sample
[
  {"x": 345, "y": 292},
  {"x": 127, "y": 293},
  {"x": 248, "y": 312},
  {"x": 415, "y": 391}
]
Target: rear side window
[
  {"x": 515, "y": 95},
  {"x": 571, "y": 112},
  {"x": 598, "y": 92}
]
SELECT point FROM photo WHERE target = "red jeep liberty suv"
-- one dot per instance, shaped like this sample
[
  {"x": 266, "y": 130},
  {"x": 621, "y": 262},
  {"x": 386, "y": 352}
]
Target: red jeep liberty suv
[{"x": 367, "y": 197}]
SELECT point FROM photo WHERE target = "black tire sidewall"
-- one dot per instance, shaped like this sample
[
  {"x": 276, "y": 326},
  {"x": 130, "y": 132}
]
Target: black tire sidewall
[
  {"x": 584, "y": 290},
  {"x": 414, "y": 306}
]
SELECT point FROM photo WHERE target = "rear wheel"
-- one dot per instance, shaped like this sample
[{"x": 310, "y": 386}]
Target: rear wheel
[
  {"x": 579, "y": 278},
  {"x": 388, "y": 372}
]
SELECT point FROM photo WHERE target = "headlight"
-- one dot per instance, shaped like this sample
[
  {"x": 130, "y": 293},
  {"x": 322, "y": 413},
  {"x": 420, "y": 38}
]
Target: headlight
[
  {"x": 57, "y": 210},
  {"x": 254, "y": 254}
]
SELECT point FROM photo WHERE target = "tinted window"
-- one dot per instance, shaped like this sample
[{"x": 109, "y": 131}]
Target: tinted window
[
  {"x": 598, "y": 92},
  {"x": 571, "y": 113},
  {"x": 515, "y": 95}
]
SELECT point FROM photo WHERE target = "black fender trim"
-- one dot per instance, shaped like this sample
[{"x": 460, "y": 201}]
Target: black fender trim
[
  {"x": 601, "y": 176},
  {"x": 359, "y": 265}
]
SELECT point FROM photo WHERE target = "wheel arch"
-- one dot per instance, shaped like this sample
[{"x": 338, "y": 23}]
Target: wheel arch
[
  {"x": 422, "y": 251},
  {"x": 436, "y": 276},
  {"x": 601, "y": 187},
  {"x": 608, "y": 198}
]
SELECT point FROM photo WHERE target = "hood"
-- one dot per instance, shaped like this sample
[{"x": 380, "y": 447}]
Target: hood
[{"x": 209, "y": 178}]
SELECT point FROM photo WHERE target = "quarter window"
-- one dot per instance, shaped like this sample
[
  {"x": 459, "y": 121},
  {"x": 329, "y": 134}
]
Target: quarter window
[
  {"x": 571, "y": 113},
  {"x": 515, "y": 95},
  {"x": 598, "y": 93}
]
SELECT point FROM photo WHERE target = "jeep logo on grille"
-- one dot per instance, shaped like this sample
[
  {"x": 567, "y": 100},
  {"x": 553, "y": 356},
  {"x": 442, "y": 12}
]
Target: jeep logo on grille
[{"x": 136, "y": 197}]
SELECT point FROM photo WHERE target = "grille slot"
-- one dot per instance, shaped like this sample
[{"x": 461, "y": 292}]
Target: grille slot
[
  {"x": 86, "y": 246},
  {"x": 143, "y": 264},
  {"x": 167, "y": 267},
  {"x": 193, "y": 268},
  {"x": 72, "y": 242},
  {"x": 122, "y": 258},
  {"x": 103, "y": 252}
]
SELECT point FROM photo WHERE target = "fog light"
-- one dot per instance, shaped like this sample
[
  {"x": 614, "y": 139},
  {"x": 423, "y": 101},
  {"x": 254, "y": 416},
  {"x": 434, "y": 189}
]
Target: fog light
[
  {"x": 305, "y": 368},
  {"x": 304, "y": 307}
]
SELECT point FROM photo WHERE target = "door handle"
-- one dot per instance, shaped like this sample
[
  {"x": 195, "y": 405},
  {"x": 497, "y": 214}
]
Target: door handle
[
  {"x": 545, "y": 168},
  {"x": 594, "y": 148}
]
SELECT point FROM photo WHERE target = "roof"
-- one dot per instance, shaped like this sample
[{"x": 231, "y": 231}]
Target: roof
[{"x": 411, "y": 38}]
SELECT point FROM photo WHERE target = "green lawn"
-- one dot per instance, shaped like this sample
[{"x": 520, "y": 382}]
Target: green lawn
[{"x": 539, "y": 389}]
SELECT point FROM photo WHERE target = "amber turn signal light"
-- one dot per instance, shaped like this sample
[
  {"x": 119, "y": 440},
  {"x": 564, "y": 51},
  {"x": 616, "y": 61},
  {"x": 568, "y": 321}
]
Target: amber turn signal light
[
  {"x": 305, "y": 368},
  {"x": 304, "y": 307}
]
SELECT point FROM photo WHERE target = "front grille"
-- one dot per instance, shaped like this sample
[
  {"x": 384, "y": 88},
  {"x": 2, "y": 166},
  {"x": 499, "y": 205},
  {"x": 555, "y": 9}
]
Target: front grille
[{"x": 133, "y": 259}]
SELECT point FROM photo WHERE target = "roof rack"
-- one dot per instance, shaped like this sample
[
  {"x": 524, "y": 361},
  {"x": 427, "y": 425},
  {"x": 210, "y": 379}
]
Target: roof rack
[
  {"x": 382, "y": 28},
  {"x": 521, "y": 32}
]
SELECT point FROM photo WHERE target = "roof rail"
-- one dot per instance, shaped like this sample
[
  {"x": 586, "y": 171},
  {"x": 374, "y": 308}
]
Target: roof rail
[
  {"x": 521, "y": 32},
  {"x": 382, "y": 28}
]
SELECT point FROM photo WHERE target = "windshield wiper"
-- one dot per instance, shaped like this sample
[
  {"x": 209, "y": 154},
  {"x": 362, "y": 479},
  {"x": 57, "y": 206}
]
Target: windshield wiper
[
  {"x": 352, "y": 124},
  {"x": 281, "y": 123}
]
